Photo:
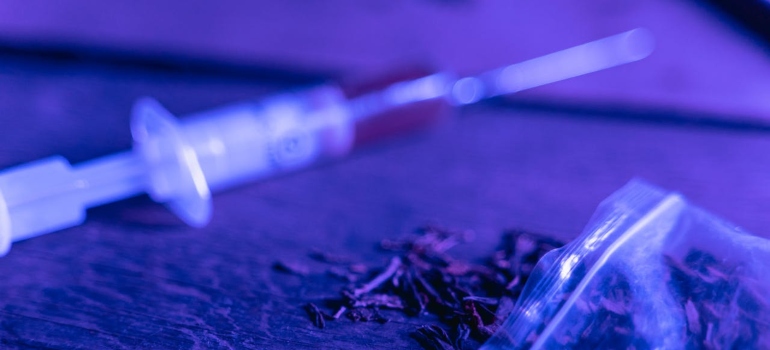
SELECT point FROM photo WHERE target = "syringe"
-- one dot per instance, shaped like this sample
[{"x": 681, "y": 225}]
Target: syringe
[{"x": 179, "y": 162}]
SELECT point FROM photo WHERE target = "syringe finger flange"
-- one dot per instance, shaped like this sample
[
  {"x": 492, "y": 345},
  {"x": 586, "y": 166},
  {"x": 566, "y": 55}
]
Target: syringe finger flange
[{"x": 175, "y": 174}]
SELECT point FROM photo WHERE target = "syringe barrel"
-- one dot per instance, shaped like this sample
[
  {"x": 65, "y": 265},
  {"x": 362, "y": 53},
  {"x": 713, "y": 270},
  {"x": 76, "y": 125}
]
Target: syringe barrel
[
  {"x": 188, "y": 158},
  {"x": 402, "y": 101},
  {"x": 254, "y": 140}
]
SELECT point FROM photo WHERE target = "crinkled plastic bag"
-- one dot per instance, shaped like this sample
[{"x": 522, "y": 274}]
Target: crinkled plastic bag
[{"x": 650, "y": 271}]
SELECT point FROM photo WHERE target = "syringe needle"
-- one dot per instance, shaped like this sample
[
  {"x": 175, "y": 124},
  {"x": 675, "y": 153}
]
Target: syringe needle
[{"x": 579, "y": 60}]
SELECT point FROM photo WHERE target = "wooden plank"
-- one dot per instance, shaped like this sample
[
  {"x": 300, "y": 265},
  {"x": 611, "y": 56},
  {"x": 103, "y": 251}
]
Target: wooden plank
[{"x": 134, "y": 277}]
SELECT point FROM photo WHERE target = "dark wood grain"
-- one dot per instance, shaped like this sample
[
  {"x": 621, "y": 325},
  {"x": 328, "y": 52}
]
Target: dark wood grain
[{"x": 135, "y": 277}]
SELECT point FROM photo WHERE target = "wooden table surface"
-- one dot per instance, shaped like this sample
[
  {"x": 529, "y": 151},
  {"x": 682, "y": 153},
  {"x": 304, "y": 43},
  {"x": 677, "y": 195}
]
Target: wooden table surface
[{"x": 135, "y": 277}]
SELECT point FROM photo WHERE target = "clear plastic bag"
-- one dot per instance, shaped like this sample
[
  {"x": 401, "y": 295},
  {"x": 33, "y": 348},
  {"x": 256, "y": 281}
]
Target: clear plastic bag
[{"x": 650, "y": 271}]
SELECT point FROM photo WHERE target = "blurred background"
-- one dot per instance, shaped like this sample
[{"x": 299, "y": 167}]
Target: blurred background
[
  {"x": 134, "y": 276},
  {"x": 707, "y": 62}
]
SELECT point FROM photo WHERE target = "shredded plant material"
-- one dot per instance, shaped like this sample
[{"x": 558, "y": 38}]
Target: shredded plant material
[
  {"x": 720, "y": 306},
  {"x": 291, "y": 267},
  {"x": 472, "y": 300},
  {"x": 316, "y": 315}
]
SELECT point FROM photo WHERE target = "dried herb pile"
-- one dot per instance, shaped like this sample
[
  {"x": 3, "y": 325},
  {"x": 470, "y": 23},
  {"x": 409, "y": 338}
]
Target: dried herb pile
[
  {"x": 471, "y": 299},
  {"x": 719, "y": 305}
]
